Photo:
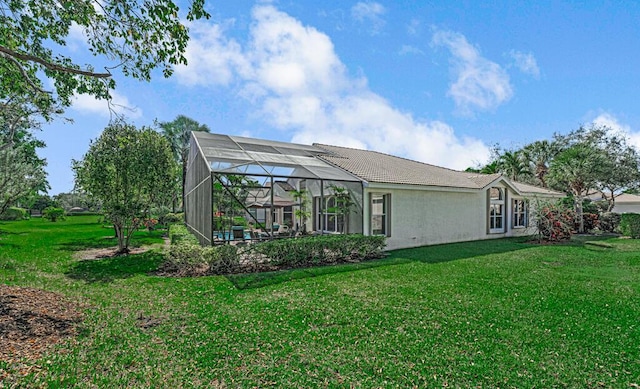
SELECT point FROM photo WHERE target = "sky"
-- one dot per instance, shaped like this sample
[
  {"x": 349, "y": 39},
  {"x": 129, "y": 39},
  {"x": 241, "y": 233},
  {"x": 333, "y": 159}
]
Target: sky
[{"x": 435, "y": 81}]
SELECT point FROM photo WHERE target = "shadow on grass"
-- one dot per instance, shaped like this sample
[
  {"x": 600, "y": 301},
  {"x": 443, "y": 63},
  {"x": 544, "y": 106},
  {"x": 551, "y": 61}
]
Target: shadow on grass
[
  {"x": 426, "y": 254},
  {"x": 262, "y": 279},
  {"x": 107, "y": 270},
  {"x": 102, "y": 242},
  {"x": 455, "y": 251},
  {"x": 140, "y": 238}
]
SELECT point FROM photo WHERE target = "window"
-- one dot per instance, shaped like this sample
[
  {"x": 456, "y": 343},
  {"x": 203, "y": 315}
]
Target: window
[
  {"x": 287, "y": 216},
  {"x": 380, "y": 205},
  {"x": 330, "y": 216},
  {"x": 520, "y": 213},
  {"x": 496, "y": 210}
]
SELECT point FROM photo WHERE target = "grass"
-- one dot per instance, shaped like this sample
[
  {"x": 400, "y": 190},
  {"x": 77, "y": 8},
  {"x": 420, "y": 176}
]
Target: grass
[{"x": 501, "y": 313}]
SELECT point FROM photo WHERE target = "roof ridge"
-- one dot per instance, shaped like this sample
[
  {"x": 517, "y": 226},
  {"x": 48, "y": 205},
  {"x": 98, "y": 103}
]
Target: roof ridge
[{"x": 395, "y": 156}]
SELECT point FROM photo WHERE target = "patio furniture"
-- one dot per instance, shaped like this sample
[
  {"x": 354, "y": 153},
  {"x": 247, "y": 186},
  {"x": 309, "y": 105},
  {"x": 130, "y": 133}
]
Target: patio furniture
[{"x": 238, "y": 232}]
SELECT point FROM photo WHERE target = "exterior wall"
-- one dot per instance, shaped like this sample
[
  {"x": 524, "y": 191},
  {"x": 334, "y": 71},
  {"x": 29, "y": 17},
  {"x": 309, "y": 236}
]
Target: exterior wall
[
  {"x": 425, "y": 216},
  {"x": 626, "y": 208}
]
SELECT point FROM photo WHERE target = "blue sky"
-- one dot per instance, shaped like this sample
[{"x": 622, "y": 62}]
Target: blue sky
[{"x": 439, "y": 83}]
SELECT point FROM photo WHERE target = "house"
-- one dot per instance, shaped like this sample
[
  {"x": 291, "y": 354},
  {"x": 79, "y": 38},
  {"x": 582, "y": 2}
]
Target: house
[
  {"x": 333, "y": 189},
  {"x": 627, "y": 203}
]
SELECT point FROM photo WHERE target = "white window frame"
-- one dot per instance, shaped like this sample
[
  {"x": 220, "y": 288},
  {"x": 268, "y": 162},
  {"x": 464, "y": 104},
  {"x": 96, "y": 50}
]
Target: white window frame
[
  {"x": 496, "y": 211},
  {"x": 331, "y": 219},
  {"x": 520, "y": 211},
  {"x": 385, "y": 215}
]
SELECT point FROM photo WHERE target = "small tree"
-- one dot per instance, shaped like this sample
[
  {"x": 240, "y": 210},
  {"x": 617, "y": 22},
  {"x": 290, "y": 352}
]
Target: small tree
[
  {"x": 53, "y": 214},
  {"x": 300, "y": 197},
  {"x": 129, "y": 171},
  {"x": 343, "y": 207}
]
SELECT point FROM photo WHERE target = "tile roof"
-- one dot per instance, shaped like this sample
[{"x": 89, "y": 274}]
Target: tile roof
[
  {"x": 373, "y": 166},
  {"x": 527, "y": 189}
]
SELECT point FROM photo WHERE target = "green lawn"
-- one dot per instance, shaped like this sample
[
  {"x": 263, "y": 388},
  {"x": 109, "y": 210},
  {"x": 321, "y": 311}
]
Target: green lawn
[{"x": 483, "y": 314}]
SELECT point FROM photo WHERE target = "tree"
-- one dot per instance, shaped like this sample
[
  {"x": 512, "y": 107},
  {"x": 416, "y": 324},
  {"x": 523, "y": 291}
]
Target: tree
[
  {"x": 136, "y": 37},
  {"x": 622, "y": 166},
  {"x": 129, "y": 171},
  {"x": 539, "y": 155},
  {"x": 513, "y": 165},
  {"x": 344, "y": 205},
  {"x": 301, "y": 198},
  {"x": 178, "y": 133},
  {"x": 577, "y": 169},
  {"x": 22, "y": 172},
  {"x": 19, "y": 176}
]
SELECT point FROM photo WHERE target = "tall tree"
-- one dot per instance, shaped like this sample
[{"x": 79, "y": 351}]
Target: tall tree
[
  {"x": 621, "y": 167},
  {"x": 22, "y": 172},
  {"x": 178, "y": 133},
  {"x": 136, "y": 37},
  {"x": 129, "y": 171},
  {"x": 577, "y": 169},
  {"x": 539, "y": 155},
  {"x": 513, "y": 165},
  {"x": 20, "y": 175}
]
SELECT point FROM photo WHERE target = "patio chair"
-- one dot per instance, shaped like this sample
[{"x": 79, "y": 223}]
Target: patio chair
[{"x": 238, "y": 232}]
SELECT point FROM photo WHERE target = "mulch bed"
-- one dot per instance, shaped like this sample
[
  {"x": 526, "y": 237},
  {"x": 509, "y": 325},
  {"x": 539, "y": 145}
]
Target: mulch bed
[{"x": 33, "y": 320}]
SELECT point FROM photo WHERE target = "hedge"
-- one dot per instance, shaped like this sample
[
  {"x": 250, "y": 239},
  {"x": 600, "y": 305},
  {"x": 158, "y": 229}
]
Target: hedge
[
  {"x": 14, "y": 213},
  {"x": 187, "y": 258},
  {"x": 630, "y": 225}
]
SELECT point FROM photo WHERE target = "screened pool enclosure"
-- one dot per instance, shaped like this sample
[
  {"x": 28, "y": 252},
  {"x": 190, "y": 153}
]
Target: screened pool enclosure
[{"x": 244, "y": 189}]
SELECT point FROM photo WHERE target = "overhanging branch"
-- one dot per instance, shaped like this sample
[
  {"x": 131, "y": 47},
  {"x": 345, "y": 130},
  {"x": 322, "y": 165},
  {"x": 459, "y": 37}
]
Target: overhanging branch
[{"x": 51, "y": 66}]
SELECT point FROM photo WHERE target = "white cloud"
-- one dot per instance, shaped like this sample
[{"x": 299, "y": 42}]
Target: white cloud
[
  {"x": 480, "y": 83},
  {"x": 211, "y": 57},
  {"x": 413, "y": 28},
  {"x": 371, "y": 13},
  {"x": 120, "y": 104},
  {"x": 608, "y": 120},
  {"x": 526, "y": 62},
  {"x": 408, "y": 49},
  {"x": 292, "y": 74}
]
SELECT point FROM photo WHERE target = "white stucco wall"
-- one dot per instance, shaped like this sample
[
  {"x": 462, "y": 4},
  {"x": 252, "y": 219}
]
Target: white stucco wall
[
  {"x": 421, "y": 217},
  {"x": 627, "y": 208}
]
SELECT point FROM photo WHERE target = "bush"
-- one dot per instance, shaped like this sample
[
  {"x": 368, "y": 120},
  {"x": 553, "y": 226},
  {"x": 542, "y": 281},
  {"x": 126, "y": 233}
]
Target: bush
[
  {"x": 630, "y": 225},
  {"x": 187, "y": 257},
  {"x": 53, "y": 214},
  {"x": 14, "y": 213},
  {"x": 324, "y": 249},
  {"x": 171, "y": 218},
  {"x": 609, "y": 221},
  {"x": 554, "y": 222},
  {"x": 591, "y": 221},
  {"x": 179, "y": 233}
]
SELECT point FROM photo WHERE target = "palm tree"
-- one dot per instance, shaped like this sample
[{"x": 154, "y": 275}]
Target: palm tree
[
  {"x": 513, "y": 165},
  {"x": 578, "y": 169},
  {"x": 178, "y": 133},
  {"x": 539, "y": 155}
]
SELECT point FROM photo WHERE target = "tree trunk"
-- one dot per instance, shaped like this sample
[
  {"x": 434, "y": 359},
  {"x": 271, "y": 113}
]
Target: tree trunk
[
  {"x": 578, "y": 207},
  {"x": 120, "y": 236}
]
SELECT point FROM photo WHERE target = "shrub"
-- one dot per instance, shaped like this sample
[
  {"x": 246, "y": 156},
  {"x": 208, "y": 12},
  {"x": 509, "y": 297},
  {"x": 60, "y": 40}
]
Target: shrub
[
  {"x": 14, "y": 213},
  {"x": 609, "y": 221},
  {"x": 554, "y": 222},
  {"x": 179, "y": 232},
  {"x": 223, "y": 259},
  {"x": 187, "y": 257},
  {"x": 171, "y": 218},
  {"x": 591, "y": 221},
  {"x": 630, "y": 225},
  {"x": 53, "y": 214},
  {"x": 324, "y": 249}
]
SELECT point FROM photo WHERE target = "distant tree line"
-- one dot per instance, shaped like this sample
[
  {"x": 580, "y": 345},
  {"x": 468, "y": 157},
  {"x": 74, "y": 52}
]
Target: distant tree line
[{"x": 585, "y": 162}]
